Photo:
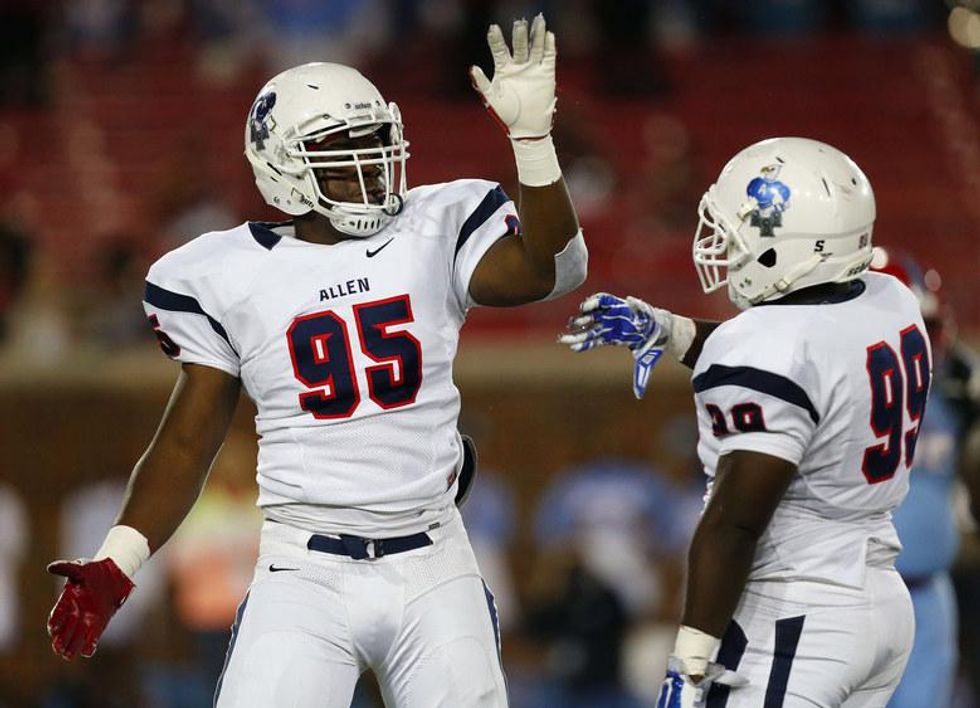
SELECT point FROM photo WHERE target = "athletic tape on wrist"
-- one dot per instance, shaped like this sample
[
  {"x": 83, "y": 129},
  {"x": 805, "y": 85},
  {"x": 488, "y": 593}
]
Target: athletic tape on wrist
[
  {"x": 695, "y": 649},
  {"x": 682, "y": 334},
  {"x": 537, "y": 162},
  {"x": 127, "y": 548}
]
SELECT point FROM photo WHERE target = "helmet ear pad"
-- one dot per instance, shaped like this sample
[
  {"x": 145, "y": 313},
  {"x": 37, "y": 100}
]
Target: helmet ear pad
[
  {"x": 288, "y": 142},
  {"x": 784, "y": 214}
]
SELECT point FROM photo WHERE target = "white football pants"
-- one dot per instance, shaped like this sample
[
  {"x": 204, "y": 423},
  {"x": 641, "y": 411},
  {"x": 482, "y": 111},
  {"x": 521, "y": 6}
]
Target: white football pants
[
  {"x": 815, "y": 645},
  {"x": 312, "y": 622}
]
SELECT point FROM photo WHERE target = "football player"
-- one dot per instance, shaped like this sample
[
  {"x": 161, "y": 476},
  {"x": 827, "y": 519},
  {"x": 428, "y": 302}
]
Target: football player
[
  {"x": 809, "y": 404},
  {"x": 341, "y": 324},
  {"x": 925, "y": 520}
]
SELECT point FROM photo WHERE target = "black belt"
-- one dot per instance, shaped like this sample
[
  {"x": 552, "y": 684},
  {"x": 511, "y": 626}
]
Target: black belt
[{"x": 360, "y": 548}]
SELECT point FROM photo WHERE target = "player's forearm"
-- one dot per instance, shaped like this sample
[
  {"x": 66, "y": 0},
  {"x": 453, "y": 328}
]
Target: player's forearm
[
  {"x": 548, "y": 222},
  {"x": 167, "y": 480},
  {"x": 719, "y": 562},
  {"x": 162, "y": 489}
]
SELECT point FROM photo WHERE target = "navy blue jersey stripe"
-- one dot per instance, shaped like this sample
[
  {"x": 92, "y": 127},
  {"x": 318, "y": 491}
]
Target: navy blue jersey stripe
[
  {"x": 492, "y": 607},
  {"x": 757, "y": 380},
  {"x": 730, "y": 653},
  {"x": 787, "y": 639},
  {"x": 495, "y": 199},
  {"x": 175, "y": 302},
  {"x": 231, "y": 646},
  {"x": 263, "y": 234}
]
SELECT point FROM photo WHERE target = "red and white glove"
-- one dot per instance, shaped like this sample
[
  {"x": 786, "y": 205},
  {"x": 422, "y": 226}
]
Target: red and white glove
[
  {"x": 521, "y": 96},
  {"x": 93, "y": 593}
]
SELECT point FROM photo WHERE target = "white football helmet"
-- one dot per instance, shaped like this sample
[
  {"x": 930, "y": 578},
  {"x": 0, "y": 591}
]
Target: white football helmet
[
  {"x": 784, "y": 214},
  {"x": 303, "y": 106}
]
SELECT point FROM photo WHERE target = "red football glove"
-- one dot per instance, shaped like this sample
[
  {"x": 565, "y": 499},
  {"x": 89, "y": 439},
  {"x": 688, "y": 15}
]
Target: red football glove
[{"x": 93, "y": 593}]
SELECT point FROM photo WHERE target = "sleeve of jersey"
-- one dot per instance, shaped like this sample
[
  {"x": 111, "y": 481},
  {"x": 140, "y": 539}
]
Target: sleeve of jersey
[
  {"x": 184, "y": 317},
  {"x": 757, "y": 410},
  {"x": 488, "y": 215}
]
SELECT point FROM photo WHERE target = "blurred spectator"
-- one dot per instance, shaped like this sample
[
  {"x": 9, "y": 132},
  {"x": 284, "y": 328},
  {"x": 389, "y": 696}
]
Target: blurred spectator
[
  {"x": 23, "y": 74},
  {"x": 15, "y": 266},
  {"x": 300, "y": 31},
  {"x": 115, "y": 318},
  {"x": 226, "y": 29},
  {"x": 893, "y": 16},
  {"x": 187, "y": 201},
  {"x": 785, "y": 17},
  {"x": 589, "y": 175},
  {"x": 629, "y": 66},
  {"x": 39, "y": 325},
  {"x": 13, "y": 546},
  {"x": 99, "y": 30},
  {"x": 602, "y": 529},
  {"x": 489, "y": 518}
]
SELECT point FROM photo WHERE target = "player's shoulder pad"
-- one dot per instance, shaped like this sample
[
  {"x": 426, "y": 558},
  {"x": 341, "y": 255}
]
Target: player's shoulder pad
[
  {"x": 205, "y": 254},
  {"x": 761, "y": 337},
  {"x": 455, "y": 205},
  {"x": 215, "y": 262},
  {"x": 882, "y": 284}
]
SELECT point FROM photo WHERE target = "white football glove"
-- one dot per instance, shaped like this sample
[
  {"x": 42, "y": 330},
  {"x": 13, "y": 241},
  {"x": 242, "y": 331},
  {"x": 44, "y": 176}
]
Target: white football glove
[
  {"x": 679, "y": 690},
  {"x": 522, "y": 94}
]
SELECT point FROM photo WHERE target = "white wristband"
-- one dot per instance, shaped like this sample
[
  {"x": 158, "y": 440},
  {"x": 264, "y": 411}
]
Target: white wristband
[
  {"x": 127, "y": 548},
  {"x": 537, "y": 162},
  {"x": 682, "y": 334},
  {"x": 695, "y": 650}
]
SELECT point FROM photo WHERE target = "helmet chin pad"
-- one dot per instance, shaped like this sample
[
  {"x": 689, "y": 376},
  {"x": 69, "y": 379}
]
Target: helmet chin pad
[{"x": 362, "y": 225}]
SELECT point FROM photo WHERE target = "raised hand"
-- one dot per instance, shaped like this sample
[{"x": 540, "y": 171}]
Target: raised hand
[{"x": 521, "y": 95}]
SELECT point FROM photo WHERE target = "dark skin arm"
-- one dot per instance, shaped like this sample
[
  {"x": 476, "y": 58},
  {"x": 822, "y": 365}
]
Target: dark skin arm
[
  {"x": 748, "y": 487},
  {"x": 169, "y": 477},
  {"x": 521, "y": 269}
]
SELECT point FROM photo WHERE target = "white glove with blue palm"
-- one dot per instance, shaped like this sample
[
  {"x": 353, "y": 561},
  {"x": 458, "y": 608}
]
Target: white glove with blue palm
[{"x": 645, "y": 330}]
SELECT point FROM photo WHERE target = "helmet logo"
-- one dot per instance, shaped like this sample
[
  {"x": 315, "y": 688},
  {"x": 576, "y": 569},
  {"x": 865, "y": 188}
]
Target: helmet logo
[
  {"x": 258, "y": 130},
  {"x": 769, "y": 199}
]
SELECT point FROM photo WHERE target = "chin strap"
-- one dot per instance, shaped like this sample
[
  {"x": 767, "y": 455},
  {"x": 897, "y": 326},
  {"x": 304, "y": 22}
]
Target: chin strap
[{"x": 786, "y": 282}]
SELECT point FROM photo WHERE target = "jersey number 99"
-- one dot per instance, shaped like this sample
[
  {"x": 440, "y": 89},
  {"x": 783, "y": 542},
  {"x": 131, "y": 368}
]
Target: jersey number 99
[
  {"x": 894, "y": 390},
  {"x": 320, "y": 349}
]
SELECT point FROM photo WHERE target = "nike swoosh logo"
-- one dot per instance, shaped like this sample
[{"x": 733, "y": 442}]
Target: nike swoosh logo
[
  {"x": 274, "y": 569},
  {"x": 371, "y": 254}
]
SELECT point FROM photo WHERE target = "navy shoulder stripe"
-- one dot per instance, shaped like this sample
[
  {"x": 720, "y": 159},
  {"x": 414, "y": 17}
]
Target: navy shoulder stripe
[
  {"x": 757, "y": 380},
  {"x": 263, "y": 234},
  {"x": 495, "y": 199},
  {"x": 175, "y": 302}
]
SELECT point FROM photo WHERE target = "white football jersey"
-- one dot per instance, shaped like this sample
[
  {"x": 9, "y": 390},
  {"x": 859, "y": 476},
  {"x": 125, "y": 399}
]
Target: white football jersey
[
  {"x": 838, "y": 389},
  {"x": 345, "y": 349}
]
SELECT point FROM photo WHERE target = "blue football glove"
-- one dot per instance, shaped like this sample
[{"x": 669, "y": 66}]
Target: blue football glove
[
  {"x": 606, "y": 319},
  {"x": 679, "y": 691}
]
